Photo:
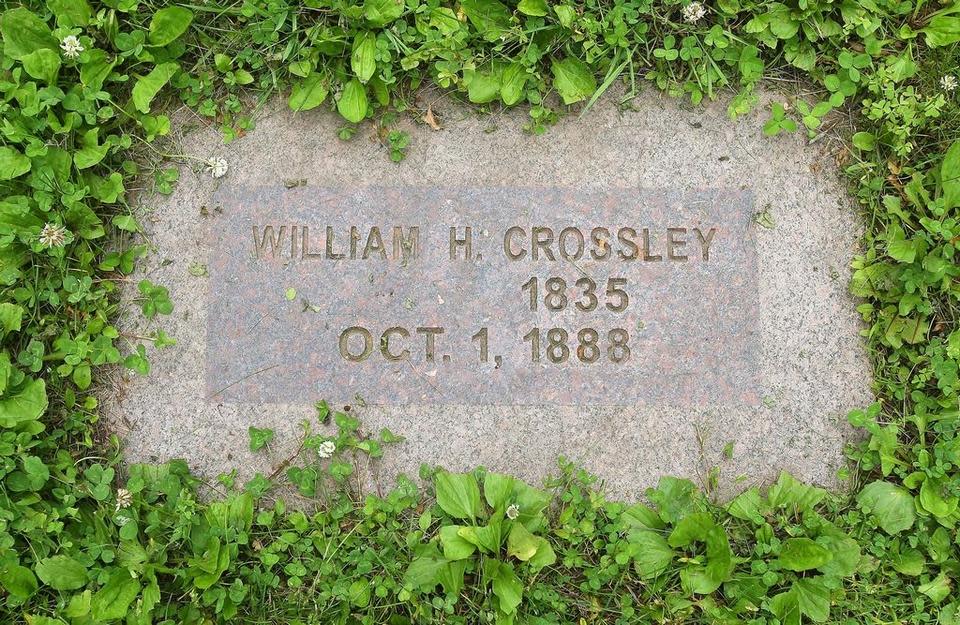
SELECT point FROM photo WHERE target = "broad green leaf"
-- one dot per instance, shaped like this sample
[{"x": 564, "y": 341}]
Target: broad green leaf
[
  {"x": 942, "y": 30},
  {"x": 694, "y": 579},
  {"x": 891, "y": 505},
  {"x": 864, "y": 141},
  {"x": 486, "y": 537},
  {"x": 674, "y": 498},
  {"x": 381, "y": 12},
  {"x": 950, "y": 177},
  {"x": 112, "y": 600},
  {"x": 641, "y": 516},
  {"x": 786, "y": 607},
  {"x": 813, "y": 598},
  {"x": 544, "y": 557},
  {"x": 803, "y": 554},
  {"x": 424, "y": 572},
  {"x": 506, "y": 586},
  {"x": 18, "y": 581},
  {"x": 96, "y": 69},
  {"x": 482, "y": 85},
  {"x": 908, "y": 562},
  {"x": 70, "y": 12},
  {"x": 147, "y": 87},
  {"x": 458, "y": 494},
  {"x": 565, "y": 14},
  {"x": 168, "y": 24},
  {"x": 936, "y": 499},
  {"x": 498, "y": 490},
  {"x": 720, "y": 562},
  {"x": 12, "y": 163},
  {"x": 363, "y": 60},
  {"x": 651, "y": 553},
  {"x": 573, "y": 79},
  {"x": 691, "y": 528},
  {"x": 781, "y": 23},
  {"x": 62, "y": 573},
  {"x": 455, "y": 547},
  {"x": 43, "y": 64},
  {"x": 749, "y": 505},
  {"x": 91, "y": 151},
  {"x": 903, "y": 250},
  {"x": 353, "y": 101},
  {"x": 450, "y": 577},
  {"x": 537, "y": 8},
  {"x": 846, "y": 554},
  {"x": 512, "y": 82},
  {"x": 491, "y": 18},
  {"x": 521, "y": 544},
  {"x": 23, "y": 32},
  {"x": 901, "y": 67},
  {"x": 308, "y": 93},
  {"x": 24, "y": 404},
  {"x": 937, "y": 589},
  {"x": 788, "y": 492}
]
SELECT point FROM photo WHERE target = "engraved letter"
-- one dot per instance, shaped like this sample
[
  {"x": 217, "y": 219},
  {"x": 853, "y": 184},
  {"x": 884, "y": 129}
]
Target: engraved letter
[
  {"x": 268, "y": 237},
  {"x": 374, "y": 244},
  {"x": 578, "y": 243},
  {"x": 673, "y": 243},
  {"x": 385, "y": 344},
  {"x": 431, "y": 345},
  {"x": 508, "y": 248},
  {"x": 705, "y": 241},
  {"x": 465, "y": 242},
  {"x": 622, "y": 236},
  {"x": 542, "y": 242},
  {"x": 406, "y": 249},
  {"x": 328, "y": 246},
  {"x": 305, "y": 244},
  {"x": 646, "y": 247},
  {"x": 601, "y": 241},
  {"x": 364, "y": 334},
  {"x": 354, "y": 239}
]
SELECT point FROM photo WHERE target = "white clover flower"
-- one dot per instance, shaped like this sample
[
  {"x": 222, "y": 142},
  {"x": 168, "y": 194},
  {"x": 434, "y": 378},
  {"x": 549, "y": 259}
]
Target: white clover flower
[
  {"x": 694, "y": 12},
  {"x": 513, "y": 511},
  {"x": 326, "y": 449},
  {"x": 948, "y": 82},
  {"x": 217, "y": 166},
  {"x": 71, "y": 47},
  {"x": 124, "y": 499},
  {"x": 52, "y": 235}
]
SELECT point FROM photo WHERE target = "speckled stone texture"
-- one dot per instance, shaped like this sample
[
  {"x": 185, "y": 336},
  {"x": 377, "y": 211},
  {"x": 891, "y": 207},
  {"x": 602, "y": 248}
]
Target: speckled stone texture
[
  {"x": 801, "y": 368},
  {"x": 568, "y": 297}
]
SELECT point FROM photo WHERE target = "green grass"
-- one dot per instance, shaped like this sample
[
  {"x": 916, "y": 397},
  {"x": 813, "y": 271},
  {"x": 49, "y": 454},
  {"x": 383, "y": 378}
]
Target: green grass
[{"x": 87, "y": 539}]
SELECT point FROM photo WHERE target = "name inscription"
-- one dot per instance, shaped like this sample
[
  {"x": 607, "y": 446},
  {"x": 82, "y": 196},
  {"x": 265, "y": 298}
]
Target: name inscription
[{"x": 500, "y": 296}]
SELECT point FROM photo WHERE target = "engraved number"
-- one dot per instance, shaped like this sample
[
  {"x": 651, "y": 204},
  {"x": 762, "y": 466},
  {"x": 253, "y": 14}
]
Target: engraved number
[
  {"x": 587, "y": 350},
  {"x": 531, "y": 285},
  {"x": 557, "y": 350},
  {"x": 555, "y": 297},
  {"x": 617, "y": 350},
  {"x": 589, "y": 301},
  {"x": 614, "y": 289},
  {"x": 534, "y": 337}
]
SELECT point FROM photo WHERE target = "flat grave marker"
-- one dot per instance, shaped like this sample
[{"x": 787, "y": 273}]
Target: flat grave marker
[{"x": 318, "y": 269}]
